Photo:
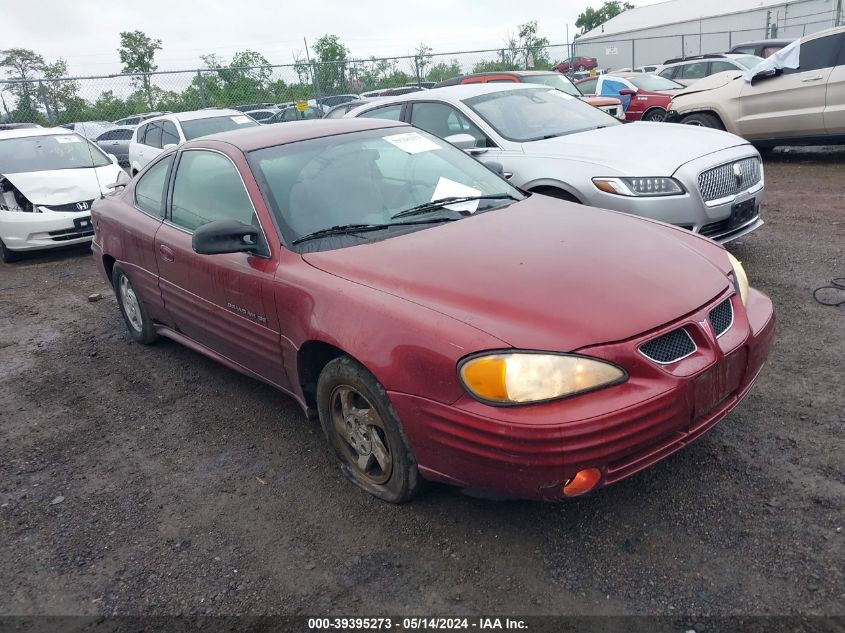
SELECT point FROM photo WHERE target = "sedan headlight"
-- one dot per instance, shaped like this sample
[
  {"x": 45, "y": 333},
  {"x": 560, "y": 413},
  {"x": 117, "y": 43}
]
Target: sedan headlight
[
  {"x": 509, "y": 378},
  {"x": 740, "y": 279},
  {"x": 639, "y": 186}
]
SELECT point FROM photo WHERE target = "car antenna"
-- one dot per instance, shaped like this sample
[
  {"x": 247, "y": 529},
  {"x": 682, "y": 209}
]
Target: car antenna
[{"x": 96, "y": 175}]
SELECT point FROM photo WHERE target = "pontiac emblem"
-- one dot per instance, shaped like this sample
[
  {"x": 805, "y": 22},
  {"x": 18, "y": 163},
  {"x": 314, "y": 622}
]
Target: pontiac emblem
[{"x": 738, "y": 174}]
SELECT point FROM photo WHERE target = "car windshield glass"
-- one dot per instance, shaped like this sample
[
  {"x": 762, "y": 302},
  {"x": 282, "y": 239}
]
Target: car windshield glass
[
  {"x": 364, "y": 179},
  {"x": 203, "y": 127},
  {"x": 654, "y": 82},
  {"x": 535, "y": 114},
  {"x": 48, "y": 152},
  {"x": 748, "y": 61},
  {"x": 554, "y": 80}
]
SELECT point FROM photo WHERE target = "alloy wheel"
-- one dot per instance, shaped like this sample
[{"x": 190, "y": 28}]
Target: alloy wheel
[
  {"x": 361, "y": 435},
  {"x": 131, "y": 307}
]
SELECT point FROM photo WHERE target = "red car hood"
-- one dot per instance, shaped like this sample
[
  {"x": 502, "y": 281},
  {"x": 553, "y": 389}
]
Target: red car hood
[{"x": 543, "y": 274}]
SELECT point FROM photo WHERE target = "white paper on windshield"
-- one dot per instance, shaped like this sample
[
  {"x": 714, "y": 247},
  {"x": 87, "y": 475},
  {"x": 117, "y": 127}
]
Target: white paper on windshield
[
  {"x": 412, "y": 142},
  {"x": 240, "y": 119},
  {"x": 787, "y": 57},
  {"x": 561, "y": 94},
  {"x": 68, "y": 138},
  {"x": 449, "y": 188}
]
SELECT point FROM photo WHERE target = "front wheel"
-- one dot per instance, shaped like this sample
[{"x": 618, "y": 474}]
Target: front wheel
[
  {"x": 8, "y": 256},
  {"x": 138, "y": 322},
  {"x": 581, "y": 68},
  {"x": 656, "y": 115},
  {"x": 364, "y": 432},
  {"x": 703, "y": 119}
]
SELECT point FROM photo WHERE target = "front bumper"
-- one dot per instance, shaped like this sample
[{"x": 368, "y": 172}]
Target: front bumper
[
  {"x": 531, "y": 451},
  {"x": 23, "y": 231}
]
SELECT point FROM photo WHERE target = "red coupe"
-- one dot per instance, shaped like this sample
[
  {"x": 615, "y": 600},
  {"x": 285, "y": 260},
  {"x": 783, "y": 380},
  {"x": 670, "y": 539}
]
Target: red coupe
[
  {"x": 441, "y": 323},
  {"x": 644, "y": 97},
  {"x": 576, "y": 64}
]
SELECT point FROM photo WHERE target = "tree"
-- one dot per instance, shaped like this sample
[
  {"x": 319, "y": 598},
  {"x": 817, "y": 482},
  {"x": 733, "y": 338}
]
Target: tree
[
  {"x": 422, "y": 60},
  {"x": 25, "y": 66},
  {"x": 62, "y": 96},
  {"x": 532, "y": 48},
  {"x": 592, "y": 18},
  {"x": 444, "y": 71},
  {"x": 333, "y": 56},
  {"x": 137, "y": 54}
]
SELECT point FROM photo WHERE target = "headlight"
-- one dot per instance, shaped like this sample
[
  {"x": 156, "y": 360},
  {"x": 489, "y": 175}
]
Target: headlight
[
  {"x": 524, "y": 377},
  {"x": 639, "y": 186},
  {"x": 740, "y": 279}
]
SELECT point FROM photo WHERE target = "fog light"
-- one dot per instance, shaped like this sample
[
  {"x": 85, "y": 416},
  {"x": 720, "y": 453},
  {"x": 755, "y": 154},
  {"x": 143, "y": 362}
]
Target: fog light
[{"x": 583, "y": 481}]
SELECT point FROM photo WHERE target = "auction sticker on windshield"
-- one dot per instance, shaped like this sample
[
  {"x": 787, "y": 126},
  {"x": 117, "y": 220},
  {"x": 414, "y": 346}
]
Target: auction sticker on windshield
[
  {"x": 68, "y": 138},
  {"x": 241, "y": 119},
  {"x": 412, "y": 142},
  {"x": 450, "y": 189}
]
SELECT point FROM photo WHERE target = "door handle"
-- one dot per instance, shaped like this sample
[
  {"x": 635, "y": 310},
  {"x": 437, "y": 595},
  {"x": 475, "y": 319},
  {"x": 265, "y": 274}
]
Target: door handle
[
  {"x": 166, "y": 253},
  {"x": 816, "y": 78}
]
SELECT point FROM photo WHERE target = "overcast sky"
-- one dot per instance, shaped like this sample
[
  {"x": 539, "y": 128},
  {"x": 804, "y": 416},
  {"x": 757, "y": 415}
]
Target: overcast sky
[{"x": 85, "y": 32}]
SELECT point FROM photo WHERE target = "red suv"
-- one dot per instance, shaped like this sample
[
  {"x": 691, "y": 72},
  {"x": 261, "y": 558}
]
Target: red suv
[{"x": 576, "y": 64}]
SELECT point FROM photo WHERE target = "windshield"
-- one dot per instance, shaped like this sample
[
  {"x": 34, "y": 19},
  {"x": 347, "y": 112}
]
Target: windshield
[
  {"x": 553, "y": 80},
  {"x": 532, "y": 115},
  {"x": 48, "y": 152},
  {"x": 203, "y": 127},
  {"x": 748, "y": 61},
  {"x": 653, "y": 82},
  {"x": 367, "y": 178}
]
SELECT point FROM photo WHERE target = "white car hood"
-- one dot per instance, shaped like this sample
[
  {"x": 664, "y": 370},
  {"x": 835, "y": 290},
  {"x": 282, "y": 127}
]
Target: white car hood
[
  {"x": 637, "y": 149},
  {"x": 63, "y": 186}
]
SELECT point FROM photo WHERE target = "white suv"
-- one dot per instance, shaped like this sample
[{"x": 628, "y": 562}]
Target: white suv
[
  {"x": 688, "y": 70},
  {"x": 154, "y": 136}
]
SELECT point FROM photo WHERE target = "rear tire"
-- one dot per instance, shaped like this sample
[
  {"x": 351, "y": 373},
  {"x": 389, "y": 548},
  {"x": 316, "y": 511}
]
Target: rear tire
[
  {"x": 132, "y": 308},
  {"x": 364, "y": 432},
  {"x": 703, "y": 119},
  {"x": 7, "y": 255},
  {"x": 655, "y": 115}
]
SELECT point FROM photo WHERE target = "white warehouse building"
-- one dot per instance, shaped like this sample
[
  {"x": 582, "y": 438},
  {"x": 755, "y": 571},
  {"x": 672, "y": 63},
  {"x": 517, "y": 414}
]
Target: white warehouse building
[{"x": 653, "y": 33}]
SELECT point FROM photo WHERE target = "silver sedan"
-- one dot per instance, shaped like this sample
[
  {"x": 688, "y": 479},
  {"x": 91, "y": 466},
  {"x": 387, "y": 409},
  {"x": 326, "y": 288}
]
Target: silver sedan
[{"x": 546, "y": 141}]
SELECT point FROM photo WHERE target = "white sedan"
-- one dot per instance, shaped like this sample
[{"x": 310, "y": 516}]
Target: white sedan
[
  {"x": 49, "y": 177},
  {"x": 153, "y": 136}
]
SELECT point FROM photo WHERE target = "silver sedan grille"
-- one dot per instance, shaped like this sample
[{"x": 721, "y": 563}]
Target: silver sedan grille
[{"x": 729, "y": 179}]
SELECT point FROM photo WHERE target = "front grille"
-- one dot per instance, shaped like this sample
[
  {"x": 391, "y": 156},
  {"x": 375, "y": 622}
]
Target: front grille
[
  {"x": 71, "y": 207},
  {"x": 65, "y": 235},
  {"x": 722, "y": 182},
  {"x": 670, "y": 347},
  {"x": 722, "y": 317}
]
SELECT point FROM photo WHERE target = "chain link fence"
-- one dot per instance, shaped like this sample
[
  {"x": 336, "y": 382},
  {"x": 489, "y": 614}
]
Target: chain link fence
[{"x": 61, "y": 100}]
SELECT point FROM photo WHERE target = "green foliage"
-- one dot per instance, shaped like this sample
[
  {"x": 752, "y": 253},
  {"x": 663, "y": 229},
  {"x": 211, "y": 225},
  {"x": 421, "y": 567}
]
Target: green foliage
[
  {"x": 24, "y": 65},
  {"x": 331, "y": 74},
  {"x": 444, "y": 70},
  {"x": 592, "y": 18},
  {"x": 137, "y": 54}
]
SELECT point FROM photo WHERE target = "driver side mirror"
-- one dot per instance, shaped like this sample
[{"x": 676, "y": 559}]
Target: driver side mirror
[
  {"x": 228, "y": 236},
  {"x": 627, "y": 91},
  {"x": 461, "y": 141}
]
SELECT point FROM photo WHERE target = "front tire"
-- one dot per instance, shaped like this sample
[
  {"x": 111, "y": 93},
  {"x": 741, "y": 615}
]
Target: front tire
[
  {"x": 364, "y": 432},
  {"x": 581, "y": 68},
  {"x": 703, "y": 119},
  {"x": 134, "y": 312},
  {"x": 656, "y": 115},
  {"x": 8, "y": 256}
]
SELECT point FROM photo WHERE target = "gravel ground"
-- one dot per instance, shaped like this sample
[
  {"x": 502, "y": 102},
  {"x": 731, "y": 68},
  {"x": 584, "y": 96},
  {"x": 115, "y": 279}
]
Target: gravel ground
[{"x": 150, "y": 480}]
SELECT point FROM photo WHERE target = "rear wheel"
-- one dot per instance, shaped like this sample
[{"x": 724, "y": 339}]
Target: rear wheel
[
  {"x": 580, "y": 68},
  {"x": 364, "y": 432},
  {"x": 7, "y": 255},
  {"x": 703, "y": 119},
  {"x": 134, "y": 312},
  {"x": 655, "y": 115}
]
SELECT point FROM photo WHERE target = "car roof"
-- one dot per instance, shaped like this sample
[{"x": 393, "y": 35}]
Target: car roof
[
  {"x": 253, "y": 138},
  {"x": 191, "y": 115},
  {"x": 36, "y": 131},
  {"x": 774, "y": 42},
  {"x": 465, "y": 91}
]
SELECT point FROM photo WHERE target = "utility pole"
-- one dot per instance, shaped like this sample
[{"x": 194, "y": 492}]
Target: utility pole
[
  {"x": 838, "y": 18},
  {"x": 313, "y": 73}
]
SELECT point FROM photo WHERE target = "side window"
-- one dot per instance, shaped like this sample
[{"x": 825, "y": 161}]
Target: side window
[
  {"x": 108, "y": 136},
  {"x": 289, "y": 114},
  {"x": 819, "y": 53},
  {"x": 390, "y": 112},
  {"x": 208, "y": 187},
  {"x": 169, "y": 133},
  {"x": 743, "y": 50},
  {"x": 698, "y": 70},
  {"x": 443, "y": 120},
  {"x": 149, "y": 192},
  {"x": 153, "y": 135},
  {"x": 668, "y": 73},
  {"x": 720, "y": 67},
  {"x": 142, "y": 132},
  {"x": 122, "y": 135},
  {"x": 588, "y": 87}
]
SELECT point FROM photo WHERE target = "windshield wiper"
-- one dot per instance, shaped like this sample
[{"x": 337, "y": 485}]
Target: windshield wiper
[
  {"x": 351, "y": 229},
  {"x": 434, "y": 205}
]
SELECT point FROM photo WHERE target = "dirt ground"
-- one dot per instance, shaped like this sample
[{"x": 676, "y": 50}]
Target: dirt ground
[{"x": 150, "y": 480}]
